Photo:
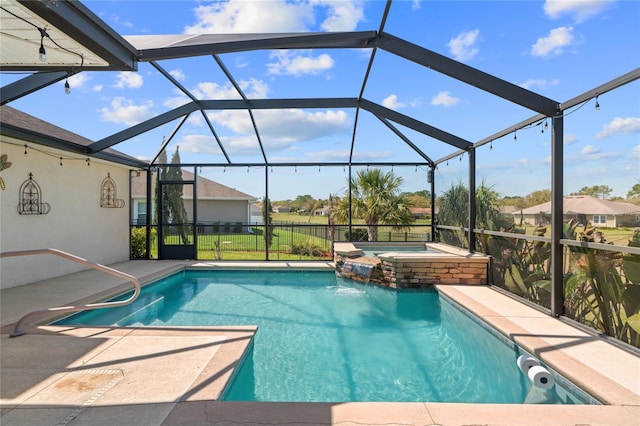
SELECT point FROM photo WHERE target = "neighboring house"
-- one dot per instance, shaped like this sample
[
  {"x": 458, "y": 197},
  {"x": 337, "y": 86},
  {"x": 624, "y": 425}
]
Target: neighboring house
[
  {"x": 281, "y": 209},
  {"x": 218, "y": 206},
  {"x": 324, "y": 211},
  {"x": 584, "y": 208},
  {"x": 510, "y": 213},
  {"x": 510, "y": 210},
  {"x": 420, "y": 212}
]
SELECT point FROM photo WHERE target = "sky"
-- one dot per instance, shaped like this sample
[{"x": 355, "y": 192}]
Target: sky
[{"x": 556, "y": 48}]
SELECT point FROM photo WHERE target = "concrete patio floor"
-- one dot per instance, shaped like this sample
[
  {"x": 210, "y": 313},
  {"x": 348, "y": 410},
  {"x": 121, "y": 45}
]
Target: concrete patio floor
[{"x": 175, "y": 375}]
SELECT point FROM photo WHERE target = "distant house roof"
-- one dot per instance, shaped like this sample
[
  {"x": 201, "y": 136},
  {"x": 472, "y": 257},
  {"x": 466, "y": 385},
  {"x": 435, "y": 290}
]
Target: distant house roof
[
  {"x": 207, "y": 189},
  {"x": 508, "y": 209},
  {"x": 421, "y": 210},
  {"x": 586, "y": 204},
  {"x": 20, "y": 125},
  {"x": 281, "y": 208}
]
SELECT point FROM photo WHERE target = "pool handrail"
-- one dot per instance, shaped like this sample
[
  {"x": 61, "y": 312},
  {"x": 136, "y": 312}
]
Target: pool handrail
[{"x": 19, "y": 330}]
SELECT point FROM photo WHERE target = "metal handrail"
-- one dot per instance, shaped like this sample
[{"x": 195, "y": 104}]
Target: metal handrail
[{"x": 19, "y": 331}]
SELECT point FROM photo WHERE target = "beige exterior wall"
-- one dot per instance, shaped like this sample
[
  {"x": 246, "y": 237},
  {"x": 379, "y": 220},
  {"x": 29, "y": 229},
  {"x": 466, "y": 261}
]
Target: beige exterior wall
[
  {"x": 222, "y": 211},
  {"x": 611, "y": 220},
  {"x": 76, "y": 223}
]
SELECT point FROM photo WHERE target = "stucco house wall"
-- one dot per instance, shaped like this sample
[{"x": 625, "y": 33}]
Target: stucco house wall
[
  {"x": 76, "y": 223},
  {"x": 223, "y": 210},
  {"x": 584, "y": 208},
  {"x": 215, "y": 203}
]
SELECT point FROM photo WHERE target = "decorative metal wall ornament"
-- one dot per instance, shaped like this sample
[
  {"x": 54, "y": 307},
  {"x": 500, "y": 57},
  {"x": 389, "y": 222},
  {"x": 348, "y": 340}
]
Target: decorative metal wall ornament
[
  {"x": 108, "y": 194},
  {"x": 30, "y": 195},
  {"x": 4, "y": 164}
]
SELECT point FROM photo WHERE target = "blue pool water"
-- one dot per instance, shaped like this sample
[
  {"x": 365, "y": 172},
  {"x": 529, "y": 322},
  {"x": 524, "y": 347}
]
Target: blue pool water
[
  {"x": 369, "y": 250},
  {"x": 322, "y": 338}
]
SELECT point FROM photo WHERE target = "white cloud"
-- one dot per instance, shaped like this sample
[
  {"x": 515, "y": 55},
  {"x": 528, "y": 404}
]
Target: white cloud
[
  {"x": 444, "y": 99},
  {"x": 211, "y": 90},
  {"x": 178, "y": 75},
  {"x": 593, "y": 154},
  {"x": 176, "y": 101},
  {"x": 246, "y": 144},
  {"x": 416, "y": 4},
  {"x": 579, "y": 9},
  {"x": 118, "y": 21},
  {"x": 78, "y": 80},
  {"x": 463, "y": 47},
  {"x": 540, "y": 84},
  {"x": 241, "y": 62},
  {"x": 391, "y": 102},
  {"x": 554, "y": 43},
  {"x": 97, "y": 88},
  {"x": 240, "y": 16},
  {"x": 128, "y": 80},
  {"x": 636, "y": 152},
  {"x": 289, "y": 125},
  {"x": 252, "y": 88},
  {"x": 343, "y": 155},
  {"x": 280, "y": 129},
  {"x": 341, "y": 15},
  {"x": 125, "y": 111},
  {"x": 620, "y": 126},
  {"x": 570, "y": 139},
  {"x": 589, "y": 150},
  {"x": 329, "y": 155},
  {"x": 288, "y": 63},
  {"x": 205, "y": 144}
]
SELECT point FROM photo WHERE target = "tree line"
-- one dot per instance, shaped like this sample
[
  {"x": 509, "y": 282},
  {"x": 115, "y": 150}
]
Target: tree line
[{"x": 306, "y": 204}]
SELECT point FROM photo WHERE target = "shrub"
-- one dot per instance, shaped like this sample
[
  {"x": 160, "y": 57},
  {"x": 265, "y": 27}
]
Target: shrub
[
  {"x": 307, "y": 248},
  {"x": 139, "y": 242},
  {"x": 357, "y": 234}
]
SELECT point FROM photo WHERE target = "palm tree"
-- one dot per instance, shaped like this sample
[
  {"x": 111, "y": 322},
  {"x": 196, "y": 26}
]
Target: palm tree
[
  {"x": 454, "y": 210},
  {"x": 377, "y": 200}
]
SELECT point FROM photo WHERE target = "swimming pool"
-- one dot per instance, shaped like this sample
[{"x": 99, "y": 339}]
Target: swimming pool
[{"x": 321, "y": 338}]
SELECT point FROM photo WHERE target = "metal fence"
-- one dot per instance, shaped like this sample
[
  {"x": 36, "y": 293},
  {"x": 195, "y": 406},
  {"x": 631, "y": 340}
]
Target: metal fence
[
  {"x": 601, "y": 282},
  {"x": 281, "y": 240}
]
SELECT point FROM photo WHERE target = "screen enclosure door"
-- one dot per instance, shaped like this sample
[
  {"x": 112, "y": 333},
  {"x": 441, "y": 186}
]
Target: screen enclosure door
[{"x": 176, "y": 231}]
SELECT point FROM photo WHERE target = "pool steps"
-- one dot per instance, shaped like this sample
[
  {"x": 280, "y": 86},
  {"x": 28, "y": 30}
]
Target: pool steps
[{"x": 19, "y": 328}]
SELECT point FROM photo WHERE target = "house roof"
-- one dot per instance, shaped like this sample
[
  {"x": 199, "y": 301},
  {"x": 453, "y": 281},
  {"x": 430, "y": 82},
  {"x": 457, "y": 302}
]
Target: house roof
[
  {"x": 207, "y": 189},
  {"x": 20, "y": 125},
  {"x": 586, "y": 204},
  {"x": 420, "y": 210},
  {"x": 508, "y": 209}
]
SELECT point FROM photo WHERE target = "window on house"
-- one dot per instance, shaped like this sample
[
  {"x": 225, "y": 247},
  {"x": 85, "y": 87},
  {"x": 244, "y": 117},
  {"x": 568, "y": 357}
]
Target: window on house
[
  {"x": 142, "y": 214},
  {"x": 599, "y": 219}
]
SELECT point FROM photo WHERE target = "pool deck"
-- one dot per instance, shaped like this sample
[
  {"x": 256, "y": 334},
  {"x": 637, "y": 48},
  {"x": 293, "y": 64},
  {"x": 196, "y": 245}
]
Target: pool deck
[{"x": 175, "y": 375}]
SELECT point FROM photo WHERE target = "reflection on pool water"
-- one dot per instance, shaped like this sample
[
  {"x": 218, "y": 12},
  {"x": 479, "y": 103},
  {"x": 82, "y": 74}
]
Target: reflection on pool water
[
  {"x": 322, "y": 338},
  {"x": 372, "y": 251}
]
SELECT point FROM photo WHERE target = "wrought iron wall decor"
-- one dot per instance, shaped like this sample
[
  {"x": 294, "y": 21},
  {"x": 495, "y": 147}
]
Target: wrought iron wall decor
[
  {"x": 30, "y": 198},
  {"x": 108, "y": 192},
  {"x": 4, "y": 164}
]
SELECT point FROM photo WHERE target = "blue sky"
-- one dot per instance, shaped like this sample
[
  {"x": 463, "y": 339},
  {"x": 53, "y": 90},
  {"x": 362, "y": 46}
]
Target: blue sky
[{"x": 558, "y": 49}]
